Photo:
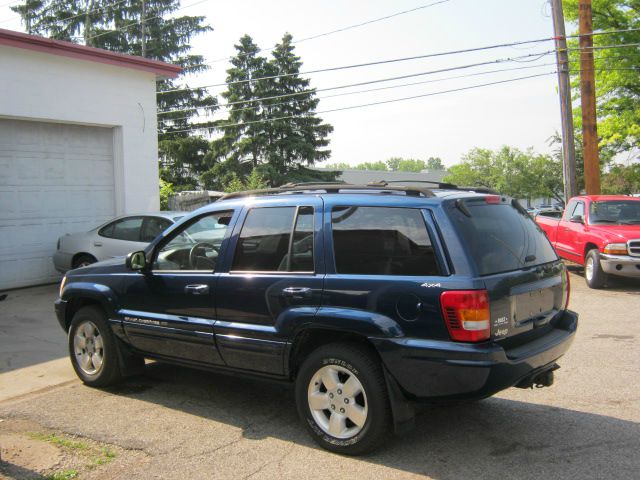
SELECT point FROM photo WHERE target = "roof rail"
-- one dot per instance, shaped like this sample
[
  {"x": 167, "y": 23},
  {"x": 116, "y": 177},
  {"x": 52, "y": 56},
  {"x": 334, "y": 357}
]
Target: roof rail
[
  {"x": 333, "y": 187},
  {"x": 445, "y": 186},
  {"x": 442, "y": 185}
]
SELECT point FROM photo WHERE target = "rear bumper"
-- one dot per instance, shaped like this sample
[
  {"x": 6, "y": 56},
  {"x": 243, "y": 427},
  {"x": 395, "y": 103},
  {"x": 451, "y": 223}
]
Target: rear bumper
[
  {"x": 621, "y": 265},
  {"x": 62, "y": 261},
  {"x": 432, "y": 369}
]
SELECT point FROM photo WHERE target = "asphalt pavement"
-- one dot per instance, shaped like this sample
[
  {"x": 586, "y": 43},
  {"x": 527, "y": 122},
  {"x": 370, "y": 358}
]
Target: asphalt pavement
[{"x": 179, "y": 423}]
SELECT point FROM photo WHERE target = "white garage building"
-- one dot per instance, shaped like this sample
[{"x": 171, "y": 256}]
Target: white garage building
[{"x": 78, "y": 145}]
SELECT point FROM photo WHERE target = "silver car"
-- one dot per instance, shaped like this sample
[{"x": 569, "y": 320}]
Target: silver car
[{"x": 115, "y": 238}]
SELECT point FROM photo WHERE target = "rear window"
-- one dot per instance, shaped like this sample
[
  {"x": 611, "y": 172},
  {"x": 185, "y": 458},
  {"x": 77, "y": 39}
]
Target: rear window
[{"x": 500, "y": 238}]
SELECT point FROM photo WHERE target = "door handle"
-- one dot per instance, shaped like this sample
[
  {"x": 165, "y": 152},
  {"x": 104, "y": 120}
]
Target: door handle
[
  {"x": 296, "y": 292},
  {"x": 197, "y": 289},
  {"x": 97, "y": 244}
]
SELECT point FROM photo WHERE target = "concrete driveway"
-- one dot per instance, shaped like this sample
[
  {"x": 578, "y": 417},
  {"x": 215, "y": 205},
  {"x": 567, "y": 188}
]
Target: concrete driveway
[
  {"x": 179, "y": 423},
  {"x": 33, "y": 347}
]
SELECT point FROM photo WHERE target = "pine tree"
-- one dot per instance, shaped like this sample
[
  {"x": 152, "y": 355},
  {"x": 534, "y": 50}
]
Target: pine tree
[
  {"x": 140, "y": 27},
  {"x": 277, "y": 137},
  {"x": 242, "y": 146},
  {"x": 299, "y": 137}
]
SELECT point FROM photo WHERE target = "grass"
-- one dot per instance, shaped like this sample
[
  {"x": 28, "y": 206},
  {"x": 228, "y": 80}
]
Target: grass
[
  {"x": 62, "y": 475},
  {"x": 97, "y": 457},
  {"x": 60, "y": 441}
]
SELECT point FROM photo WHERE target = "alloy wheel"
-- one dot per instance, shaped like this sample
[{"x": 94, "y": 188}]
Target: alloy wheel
[
  {"x": 337, "y": 401},
  {"x": 88, "y": 348},
  {"x": 588, "y": 268}
]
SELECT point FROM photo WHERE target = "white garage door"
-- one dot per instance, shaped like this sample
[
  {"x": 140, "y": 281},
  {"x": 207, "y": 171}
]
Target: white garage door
[{"x": 54, "y": 179}]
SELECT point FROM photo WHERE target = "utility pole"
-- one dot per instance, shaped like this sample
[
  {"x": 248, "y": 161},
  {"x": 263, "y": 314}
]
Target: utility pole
[
  {"x": 588, "y": 100},
  {"x": 566, "y": 111},
  {"x": 143, "y": 33}
]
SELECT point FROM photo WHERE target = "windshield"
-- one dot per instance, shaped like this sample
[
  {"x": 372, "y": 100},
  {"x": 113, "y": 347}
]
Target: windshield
[
  {"x": 621, "y": 212},
  {"x": 500, "y": 238}
]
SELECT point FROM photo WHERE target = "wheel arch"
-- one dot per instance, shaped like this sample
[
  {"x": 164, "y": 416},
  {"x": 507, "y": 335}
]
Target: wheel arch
[
  {"x": 75, "y": 258},
  {"x": 589, "y": 246},
  {"x": 81, "y": 295},
  {"x": 310, "y": 339}
]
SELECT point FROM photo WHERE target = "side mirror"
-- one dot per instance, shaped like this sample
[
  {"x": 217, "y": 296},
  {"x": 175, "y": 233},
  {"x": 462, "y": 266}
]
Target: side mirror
[
  {"x": 577, "y": 219},
  {"x": 136, "y": 261}
]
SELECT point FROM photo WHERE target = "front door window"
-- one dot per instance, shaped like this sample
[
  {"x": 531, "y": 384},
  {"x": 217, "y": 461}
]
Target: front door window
[{"x": 196, "y": 246}]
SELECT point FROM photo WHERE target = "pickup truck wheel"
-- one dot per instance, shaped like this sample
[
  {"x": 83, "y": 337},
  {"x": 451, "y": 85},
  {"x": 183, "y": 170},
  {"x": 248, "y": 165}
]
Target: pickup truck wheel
[
  {"x": 342, "y": 399},
  {"x": 593, "y": 273},
  {"x": 92, "y": 348}
]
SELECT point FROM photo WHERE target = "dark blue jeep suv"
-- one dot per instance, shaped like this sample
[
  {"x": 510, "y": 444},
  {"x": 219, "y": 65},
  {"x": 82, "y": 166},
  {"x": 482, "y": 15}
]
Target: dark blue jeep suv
[{"x": 369, "y": 298}]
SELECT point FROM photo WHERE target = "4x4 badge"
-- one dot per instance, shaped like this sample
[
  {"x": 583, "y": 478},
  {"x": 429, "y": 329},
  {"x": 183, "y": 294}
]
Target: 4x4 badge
[{"x": 430, "y": 285}]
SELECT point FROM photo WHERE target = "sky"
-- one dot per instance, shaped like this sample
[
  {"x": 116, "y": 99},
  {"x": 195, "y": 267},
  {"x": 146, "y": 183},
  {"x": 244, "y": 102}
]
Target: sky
[{"x": 523, "y": 113}]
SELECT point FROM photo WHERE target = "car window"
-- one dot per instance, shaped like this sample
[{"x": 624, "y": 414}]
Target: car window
[
  {"x": 127, "y": 229},
  {"x": 568, "y": 213},
  {"x": 501, "y": 238},
  {"x": 266, "y": 243},
  {"x": 302, "y": 245},
  {"x": 382, "y": 241},
  {"x": 624, "y": 212},
  {"x": 194, "y": 246},
  {"x": 579, "y": 210},
  {"x": 152, "y": 227}
]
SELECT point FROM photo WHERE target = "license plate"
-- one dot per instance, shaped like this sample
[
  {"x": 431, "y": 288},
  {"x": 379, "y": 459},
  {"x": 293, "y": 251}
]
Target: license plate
[{"x": 533, "y": 304}]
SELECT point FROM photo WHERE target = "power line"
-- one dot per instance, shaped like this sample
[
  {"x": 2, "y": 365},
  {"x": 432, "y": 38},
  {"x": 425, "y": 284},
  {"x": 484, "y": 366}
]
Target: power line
[
  {"x": 126, "y": 27},
  {"x": 163, "y": 122},
  {"x": 455, "y": 77},
  {"x": 75, "y": 16},
  {"x": 367, "y": 64},
  {"x": 70, "y": 18},
  {"x": 413, "y": 97},
  {"x": 393, "y": 60},
  {"x": 387, "y": 79},
  {"x": 338, "y": 30}
]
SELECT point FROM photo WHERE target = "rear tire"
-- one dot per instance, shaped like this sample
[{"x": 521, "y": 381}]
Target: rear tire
[
  {"x": 83, "y": 261},
  {"x": 342, "y": 398},
  {"x": 92, "y": 348},
  {"x": 593, "y": 273}
]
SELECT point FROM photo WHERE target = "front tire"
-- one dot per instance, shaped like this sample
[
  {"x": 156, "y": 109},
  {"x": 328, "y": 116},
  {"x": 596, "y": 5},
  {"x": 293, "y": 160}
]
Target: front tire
[
  {"x": 593, "y": 273},
  {"x": 92, "y": 348},
  {"x": 342, "y": 398}
]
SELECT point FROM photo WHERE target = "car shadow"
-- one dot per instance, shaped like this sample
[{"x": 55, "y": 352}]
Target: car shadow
[{"x": 494, "y": 438}]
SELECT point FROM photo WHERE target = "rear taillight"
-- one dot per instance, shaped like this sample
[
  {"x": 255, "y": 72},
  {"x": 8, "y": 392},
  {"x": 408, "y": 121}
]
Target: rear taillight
[
  {"x": 566, "y": 289},
  {"x": 466, "y": 313},
  {"x": 492, "y": 199}
]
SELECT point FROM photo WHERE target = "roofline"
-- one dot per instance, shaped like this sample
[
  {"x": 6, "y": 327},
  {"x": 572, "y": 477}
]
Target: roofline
[{"x": 71, "y": 50}]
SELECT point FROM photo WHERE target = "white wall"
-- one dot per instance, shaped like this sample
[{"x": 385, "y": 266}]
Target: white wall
[{"x": 44, "y": 87}]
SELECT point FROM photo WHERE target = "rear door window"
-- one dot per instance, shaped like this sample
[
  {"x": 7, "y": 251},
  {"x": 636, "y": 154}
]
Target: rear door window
[
  {"x": 152, "y": 227},
  {"x": 127, "y": 229},
  {"x": 382, "y": 241},
  {"x": 276, "y": 239},
  {"x": 500, "y": 238}
]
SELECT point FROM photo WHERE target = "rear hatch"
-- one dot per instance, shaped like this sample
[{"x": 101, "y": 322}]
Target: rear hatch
[{"x": 526, "y": 283}]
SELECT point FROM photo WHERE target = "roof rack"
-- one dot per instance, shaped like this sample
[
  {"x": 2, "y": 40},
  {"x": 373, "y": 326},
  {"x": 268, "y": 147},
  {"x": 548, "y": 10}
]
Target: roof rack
[
  {"x": 381, "y": 187},
  {"x": 446, "y": 186},
  {"x": 442, "y": 185},
  {"x": 333, "y": 187}
]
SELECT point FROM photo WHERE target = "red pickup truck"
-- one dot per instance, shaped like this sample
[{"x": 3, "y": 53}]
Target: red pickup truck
[{"x": 601, "y": 232}]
